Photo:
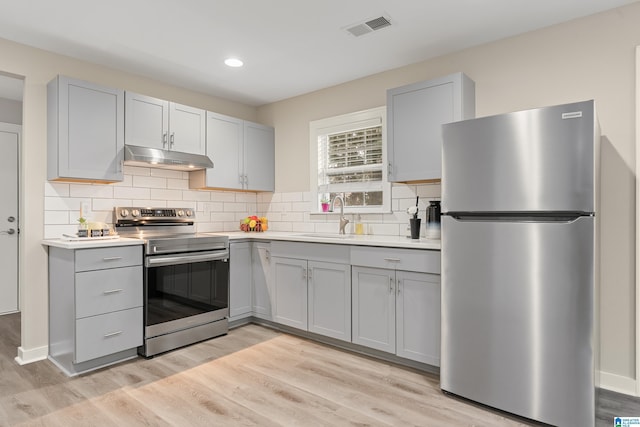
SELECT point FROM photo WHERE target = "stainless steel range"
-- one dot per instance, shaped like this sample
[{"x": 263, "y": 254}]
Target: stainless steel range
[{"x": 186, "y": 277}]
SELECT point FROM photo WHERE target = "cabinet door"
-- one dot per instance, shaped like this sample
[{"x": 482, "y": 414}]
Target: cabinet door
[
  {"x": 259, "y": 157},
  {"x": 224, "y": 148},
  {"x": 418, "y": 317},
  {"x": 373, "y": 308},
  {"x": 330, "y": 299},
  {"x": 290, "y": 280},
  {"x": 146, "y": 121},
  {"x": 187, "y": 127},
  {"x": 85, "y": 130},
  {"x": 240, "y": 268},
  {"x": 415, "y": 115},
  {"x": 263, "y": 290}
]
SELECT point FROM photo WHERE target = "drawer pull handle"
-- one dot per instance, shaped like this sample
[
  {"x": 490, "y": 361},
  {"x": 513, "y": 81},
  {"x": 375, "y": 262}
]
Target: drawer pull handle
[
  {"x": 112, "y": 334},
  {"x": 112, "y": 258},
  {"x": 112, "y": 291},
  {"x": 392, "y": 259}
]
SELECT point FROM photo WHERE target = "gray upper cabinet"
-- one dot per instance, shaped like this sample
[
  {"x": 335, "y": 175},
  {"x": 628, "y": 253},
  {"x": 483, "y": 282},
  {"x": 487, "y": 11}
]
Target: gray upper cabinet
[
  {"x": 156, "y": 123},
  {"x": 415, "y": 115},
  {"x": 243, "y": 154},
  {"x": 259, "y": 157},
  {"x": 85, "y": 131}
]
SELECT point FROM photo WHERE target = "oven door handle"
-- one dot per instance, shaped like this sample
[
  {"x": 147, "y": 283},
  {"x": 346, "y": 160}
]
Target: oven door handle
[{"x": 163, "y": 260}]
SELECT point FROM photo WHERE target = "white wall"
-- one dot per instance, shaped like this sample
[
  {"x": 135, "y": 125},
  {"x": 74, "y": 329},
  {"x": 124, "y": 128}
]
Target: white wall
[{"x": 589, "y": 58}]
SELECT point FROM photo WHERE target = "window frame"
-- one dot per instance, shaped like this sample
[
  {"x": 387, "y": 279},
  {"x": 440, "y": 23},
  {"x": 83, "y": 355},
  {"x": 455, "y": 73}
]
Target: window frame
[{"x": 343, "y": 123}]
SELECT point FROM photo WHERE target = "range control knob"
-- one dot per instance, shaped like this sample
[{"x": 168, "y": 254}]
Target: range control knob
[
  {"x": 180, "y": 212},
  {"x": 189, "y": 212},
  {"x": 135, "y": 213},
  {"x": 124, "y": 213}
]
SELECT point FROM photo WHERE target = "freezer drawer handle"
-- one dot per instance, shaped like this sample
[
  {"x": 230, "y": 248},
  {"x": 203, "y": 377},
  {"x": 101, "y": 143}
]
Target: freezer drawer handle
[
  {"x": 392, "y": 259},
  {"x": 112, "y": 291}
]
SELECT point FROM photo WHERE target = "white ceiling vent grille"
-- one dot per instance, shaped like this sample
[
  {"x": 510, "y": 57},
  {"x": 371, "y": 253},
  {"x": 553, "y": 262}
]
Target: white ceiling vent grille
[{"x": 369, "y": 26}]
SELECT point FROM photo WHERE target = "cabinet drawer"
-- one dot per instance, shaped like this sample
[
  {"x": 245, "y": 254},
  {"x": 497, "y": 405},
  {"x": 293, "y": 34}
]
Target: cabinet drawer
[
  {"x": 103, "y": 291},
  {"x": 101, "y": 258},
  {"x": 314, "y": 251},
  {"x": 424, "y": 261},
  {"x": 99, "y": 336}
]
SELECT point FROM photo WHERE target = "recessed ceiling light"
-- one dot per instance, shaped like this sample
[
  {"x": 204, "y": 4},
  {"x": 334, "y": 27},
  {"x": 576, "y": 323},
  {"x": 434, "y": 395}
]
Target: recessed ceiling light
[{"x": 233, "y": 62}]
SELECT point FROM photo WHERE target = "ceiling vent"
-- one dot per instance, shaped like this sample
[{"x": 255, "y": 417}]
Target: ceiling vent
[{"x": 369, "y": 26}]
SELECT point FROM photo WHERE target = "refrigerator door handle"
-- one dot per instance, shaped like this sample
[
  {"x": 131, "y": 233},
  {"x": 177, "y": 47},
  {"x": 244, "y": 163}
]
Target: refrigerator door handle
[{"x": 563, "y": 218}]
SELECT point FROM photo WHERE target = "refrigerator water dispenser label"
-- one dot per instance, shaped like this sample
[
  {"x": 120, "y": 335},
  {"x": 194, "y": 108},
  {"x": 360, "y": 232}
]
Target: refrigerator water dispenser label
[{"x": 572, "y": 115}]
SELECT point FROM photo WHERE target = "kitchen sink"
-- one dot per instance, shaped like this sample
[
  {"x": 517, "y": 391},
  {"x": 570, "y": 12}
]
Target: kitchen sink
[{"x": 328, "y": 235}]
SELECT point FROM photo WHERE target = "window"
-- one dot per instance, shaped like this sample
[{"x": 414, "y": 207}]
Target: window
[{"x": 348, "y": 158}]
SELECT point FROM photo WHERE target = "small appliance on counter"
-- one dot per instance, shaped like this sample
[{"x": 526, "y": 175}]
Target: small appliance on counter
[{"x": 433, "y": 220}]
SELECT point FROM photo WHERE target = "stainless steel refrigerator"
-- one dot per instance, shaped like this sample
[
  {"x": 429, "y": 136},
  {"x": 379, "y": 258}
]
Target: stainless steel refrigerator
[{"x": 519, "y": 197}]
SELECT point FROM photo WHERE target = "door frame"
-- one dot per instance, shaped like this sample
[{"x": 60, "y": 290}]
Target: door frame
[{"x": 10, "y": 127}]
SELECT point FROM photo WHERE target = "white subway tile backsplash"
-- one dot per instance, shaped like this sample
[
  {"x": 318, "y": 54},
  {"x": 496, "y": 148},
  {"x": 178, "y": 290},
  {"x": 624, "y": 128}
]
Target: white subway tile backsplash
[
  {"x": 235, "y": 207},
  {"x": 217, "y": 210},
  {"x": 56, "y": 189},
  {"x": 301, "y": 206},
  {"x": 138, "y": 171},
  {"x": 131, "y": 193},
  {"x": 177, "y": 184},
  {"x": 165, "y": 173},
  {"x": 56, "y": 217},
  {"x": 403, "y": 191},
  {"x": 149, "y": 182},
  {"x": 196, "y": 196},
  {"x": 223, "y": 196},
  {"x": 126, "y": 182},
  {"x": 108, "y": 204},
  {"x": 90, "y": 190},
  {"x": 292, "y": 197},
  {"x": 163, "y": 194},
  {"x": 62, "y": 203},
  {"x": 246, "y": 197}
]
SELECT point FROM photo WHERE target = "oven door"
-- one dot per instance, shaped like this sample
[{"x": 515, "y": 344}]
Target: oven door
[{"x": 185, "y": 290}]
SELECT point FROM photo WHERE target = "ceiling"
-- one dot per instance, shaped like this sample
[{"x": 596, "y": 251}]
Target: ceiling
[{"x": 289, "y": 47}]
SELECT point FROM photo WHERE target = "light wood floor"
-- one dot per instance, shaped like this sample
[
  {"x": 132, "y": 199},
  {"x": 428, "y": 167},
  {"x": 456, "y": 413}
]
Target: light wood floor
[{"x": 252, "y": 377}]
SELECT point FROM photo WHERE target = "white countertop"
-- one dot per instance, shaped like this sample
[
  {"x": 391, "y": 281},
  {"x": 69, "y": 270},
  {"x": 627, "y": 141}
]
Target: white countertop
[
  {"x": 365, "y": 240},
  {"x": 91, "y": 243}
]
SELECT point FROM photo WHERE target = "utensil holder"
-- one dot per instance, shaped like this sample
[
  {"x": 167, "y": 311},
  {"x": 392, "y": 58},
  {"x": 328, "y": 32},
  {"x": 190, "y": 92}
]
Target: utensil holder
[{"x": 414, "y": 223}]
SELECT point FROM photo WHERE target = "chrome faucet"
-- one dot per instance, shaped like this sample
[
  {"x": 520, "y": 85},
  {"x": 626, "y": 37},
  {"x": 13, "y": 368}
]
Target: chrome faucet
[{"x": 343, "y": 221}]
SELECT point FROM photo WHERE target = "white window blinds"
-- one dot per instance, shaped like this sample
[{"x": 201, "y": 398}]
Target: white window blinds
[{"x": 350, "y": 161}]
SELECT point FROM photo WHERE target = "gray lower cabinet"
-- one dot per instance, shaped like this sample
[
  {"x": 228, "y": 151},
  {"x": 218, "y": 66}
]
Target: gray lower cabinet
[
  {"x": 263, "y": 293},
  {"x": 374, "y": 308},
  {"x": 394, "y": 310},
  {"x": 290, "y": 279},
  {"x": 250, "y": 290},
  {"x": 85, "y": 131},
  {"x": 95, "y": 306},
  {"x": 240, "y": 280},
  {"x": 329, "y": 299},
  {"x": 313, "y": 287}
]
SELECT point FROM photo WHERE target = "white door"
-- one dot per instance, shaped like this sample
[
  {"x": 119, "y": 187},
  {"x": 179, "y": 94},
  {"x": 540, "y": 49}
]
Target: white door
[{"x": 9, "y": 140}]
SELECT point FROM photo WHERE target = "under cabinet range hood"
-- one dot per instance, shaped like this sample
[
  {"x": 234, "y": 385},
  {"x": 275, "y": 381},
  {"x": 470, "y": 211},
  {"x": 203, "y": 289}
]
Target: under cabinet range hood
[{"x": 135, "y": 155}]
